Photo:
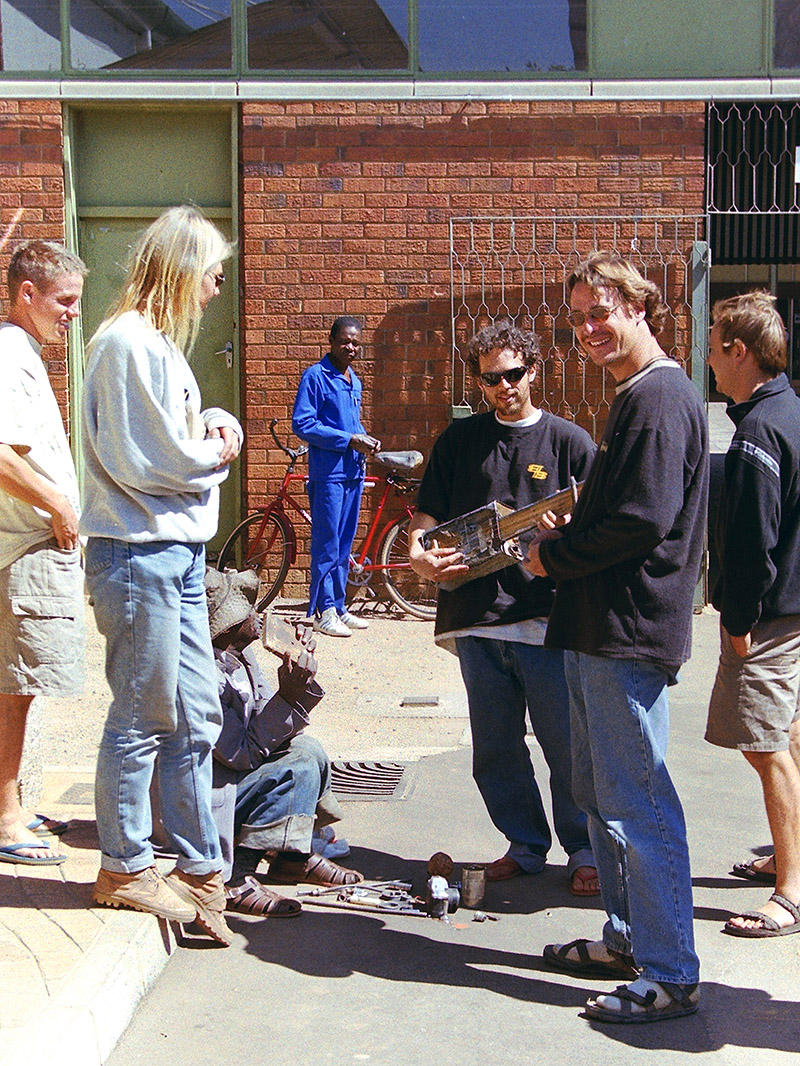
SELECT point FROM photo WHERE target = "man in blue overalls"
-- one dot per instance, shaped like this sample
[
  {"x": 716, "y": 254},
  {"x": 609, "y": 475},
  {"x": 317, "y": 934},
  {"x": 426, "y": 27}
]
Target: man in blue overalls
[{"x": 327, "y": 415}]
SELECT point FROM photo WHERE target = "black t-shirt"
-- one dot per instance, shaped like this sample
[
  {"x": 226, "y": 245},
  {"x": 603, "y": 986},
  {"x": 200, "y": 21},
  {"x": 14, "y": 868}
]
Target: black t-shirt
[{"x": 477, "y": 460}]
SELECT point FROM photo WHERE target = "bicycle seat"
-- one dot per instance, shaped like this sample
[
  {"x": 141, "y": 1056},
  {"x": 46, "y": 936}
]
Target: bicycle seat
[{"x": 399, "y": 462}]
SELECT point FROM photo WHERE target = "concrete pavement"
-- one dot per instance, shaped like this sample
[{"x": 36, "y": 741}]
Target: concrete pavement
[{"x": 338, "y": 987}]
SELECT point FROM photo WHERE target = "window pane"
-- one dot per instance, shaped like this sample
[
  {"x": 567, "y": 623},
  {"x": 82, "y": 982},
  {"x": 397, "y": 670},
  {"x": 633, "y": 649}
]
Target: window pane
[
  {"x": 516, "y": 36},
  {"x": 787, "y": 34},
  {"x": 150, "y": 34},
  {"x": 327, "y": 34},
  {"x": 31, "y": 35}
]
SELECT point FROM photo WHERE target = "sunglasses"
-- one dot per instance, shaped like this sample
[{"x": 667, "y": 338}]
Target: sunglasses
[
  {"x": 219, "y": 279},
  {"x": 596, "y": 314},
  {"x": 512, "y": 376}
]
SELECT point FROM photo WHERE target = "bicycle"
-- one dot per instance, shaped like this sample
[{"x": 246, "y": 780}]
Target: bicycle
[{"x": 266, "y": 540}]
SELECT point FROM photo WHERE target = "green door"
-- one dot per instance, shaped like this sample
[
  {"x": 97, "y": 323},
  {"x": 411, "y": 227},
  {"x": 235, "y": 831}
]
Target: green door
[{"x": 130, "y": 164}]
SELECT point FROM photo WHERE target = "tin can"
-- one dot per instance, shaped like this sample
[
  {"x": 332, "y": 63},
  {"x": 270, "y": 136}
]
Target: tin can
[{"x": 473, "y": 885}]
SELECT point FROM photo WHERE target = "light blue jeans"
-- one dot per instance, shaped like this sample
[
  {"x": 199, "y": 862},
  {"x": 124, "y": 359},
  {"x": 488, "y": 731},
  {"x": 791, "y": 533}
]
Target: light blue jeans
[
  {"x": 619, "y": 713},
  {"x": 150, "y": 605},
  {"x": 505, "y": 679}
]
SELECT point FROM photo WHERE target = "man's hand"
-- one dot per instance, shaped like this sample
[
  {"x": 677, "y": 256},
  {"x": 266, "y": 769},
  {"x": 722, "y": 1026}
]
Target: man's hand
[
  {"x": 362, "y": 442},
  {"x": 436, "y": 564},
  {"x": 550, "y": 520},
  {"x": 65, "y": 525},
  {"x": 534, "y": 564},
  {"x": 230, "y": 444},
  {"x": 741, "y": 645},
  {"x": 299, "y": 666}
]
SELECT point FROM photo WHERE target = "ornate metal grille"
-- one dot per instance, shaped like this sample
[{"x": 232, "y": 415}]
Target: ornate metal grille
[
  {"x": 518, "y": 268},
  {"x": 753, "y": 196}
]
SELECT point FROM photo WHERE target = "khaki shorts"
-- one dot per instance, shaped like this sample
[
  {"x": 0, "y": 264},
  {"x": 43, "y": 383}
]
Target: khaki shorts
[
  {"x": 41, "y": 623},
  {"x": 755, "y": 700}
]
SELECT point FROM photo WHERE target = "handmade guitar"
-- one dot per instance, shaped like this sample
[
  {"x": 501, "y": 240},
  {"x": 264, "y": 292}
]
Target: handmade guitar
[{"x": 487, "y": 537}]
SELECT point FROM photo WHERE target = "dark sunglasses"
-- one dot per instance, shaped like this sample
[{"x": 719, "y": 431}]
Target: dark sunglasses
[
  {"x": 219, "y": 279},
  {"x": 512, "y": 376}
]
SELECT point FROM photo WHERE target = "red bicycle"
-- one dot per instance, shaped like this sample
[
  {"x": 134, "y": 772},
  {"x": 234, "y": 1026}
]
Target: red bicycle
[{"x": 266, "y": 541}]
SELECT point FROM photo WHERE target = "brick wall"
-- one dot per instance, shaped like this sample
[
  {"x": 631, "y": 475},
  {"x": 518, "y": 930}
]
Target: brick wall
[
  {"x": 32, "y": 197},
  {"x": 345, "y": 209}
]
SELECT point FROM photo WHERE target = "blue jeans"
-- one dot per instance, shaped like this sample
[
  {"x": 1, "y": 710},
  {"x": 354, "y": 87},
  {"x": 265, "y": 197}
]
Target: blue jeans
[
  {"x": 619, "y": 714},
  {"x": 503, "y": 679},
  {"x": 334, "y": 520},
  {"x": 150, "y": 604}
]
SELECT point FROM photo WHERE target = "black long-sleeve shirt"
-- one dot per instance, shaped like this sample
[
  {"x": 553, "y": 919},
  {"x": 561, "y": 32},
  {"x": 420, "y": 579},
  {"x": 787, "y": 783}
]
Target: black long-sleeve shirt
[
  {"x": 758, "y": 526},
  {"x": 627, "y": 565}
]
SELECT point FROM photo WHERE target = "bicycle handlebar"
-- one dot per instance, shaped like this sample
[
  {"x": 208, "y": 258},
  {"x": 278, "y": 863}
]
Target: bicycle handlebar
[{"x": 293, "y": 453}]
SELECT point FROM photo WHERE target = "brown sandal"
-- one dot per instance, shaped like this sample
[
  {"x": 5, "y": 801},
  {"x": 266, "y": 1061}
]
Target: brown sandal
[
  {"x": 317, "y": 870},
  {"x": 253, "y": 898}
]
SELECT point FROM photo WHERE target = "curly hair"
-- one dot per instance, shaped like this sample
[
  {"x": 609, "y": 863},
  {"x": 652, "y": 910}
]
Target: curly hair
[
  {"x": 753, "y": 319},
  {"x": 608, "y": 270},
  {"x": 499, "y": 336}
]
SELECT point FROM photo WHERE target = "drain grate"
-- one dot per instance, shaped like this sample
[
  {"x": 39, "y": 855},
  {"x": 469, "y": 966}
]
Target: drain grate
[{"x": 372, "y": 780}]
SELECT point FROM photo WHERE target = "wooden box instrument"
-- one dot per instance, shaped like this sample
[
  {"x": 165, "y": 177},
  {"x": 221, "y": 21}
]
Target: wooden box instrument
[{"x": 487, "y": 537}]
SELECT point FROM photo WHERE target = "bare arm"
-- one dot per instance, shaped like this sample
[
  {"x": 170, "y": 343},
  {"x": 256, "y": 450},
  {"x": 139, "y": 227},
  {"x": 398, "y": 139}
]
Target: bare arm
[
  {"x": 435, "y": 564},
  {"x": 18, "y": 479}
]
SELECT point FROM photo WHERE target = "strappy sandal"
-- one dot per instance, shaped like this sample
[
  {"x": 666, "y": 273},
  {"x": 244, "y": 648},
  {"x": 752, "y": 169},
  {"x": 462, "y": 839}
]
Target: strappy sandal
[
  {"x": 682, "y": 1002},
  {"x": 252, "y": 898},
  {"x": 750, "y": 872},
  {"x": 768, "y": 926},
  {"x": 315, "y": 871},
  {"x": 585, "y": 965}
]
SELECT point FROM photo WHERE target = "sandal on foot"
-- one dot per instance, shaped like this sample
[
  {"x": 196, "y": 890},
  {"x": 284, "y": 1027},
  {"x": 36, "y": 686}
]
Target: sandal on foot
[
  {"x": 252, "y": 898},
  {"x": 314, "y": 871},
  {"x": 558, "y": 958},
  {"x": 750, "y": 872},
  {"x": 11, "y": 853},
  {"x": 503, "y": 869},
  {"x": 768, "y": 926},
  {"x": 48, "y": 827},
  {"x": 658, "y": 1001}
]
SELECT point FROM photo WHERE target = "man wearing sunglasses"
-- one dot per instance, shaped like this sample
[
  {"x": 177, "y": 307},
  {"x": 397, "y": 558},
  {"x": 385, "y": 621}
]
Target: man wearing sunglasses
[
  {"x": 625, "y": 568},
  {"x": 516, "y": 454}
]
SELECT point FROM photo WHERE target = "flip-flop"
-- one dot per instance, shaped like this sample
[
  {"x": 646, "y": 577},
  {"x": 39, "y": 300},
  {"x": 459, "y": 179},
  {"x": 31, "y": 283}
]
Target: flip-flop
[
  {"x": 503, "y": 869},
  {"x": 769, "y": 927},
  {"x": 749, "y": 872},
  {"x": 577, "y": 878},
  {"x": 8, "y": 853},
  {"x": 44, "y": 826}
]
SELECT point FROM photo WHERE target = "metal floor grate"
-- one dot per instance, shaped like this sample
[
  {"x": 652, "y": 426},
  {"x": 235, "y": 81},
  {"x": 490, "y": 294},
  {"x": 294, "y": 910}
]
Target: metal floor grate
[{"x": 356, "y": 780}]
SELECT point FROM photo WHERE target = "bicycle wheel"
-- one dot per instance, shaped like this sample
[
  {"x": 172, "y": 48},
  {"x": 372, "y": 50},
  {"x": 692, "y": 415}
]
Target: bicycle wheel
[
  {"x": 408, "y": 590},
  {"x": 269, "y": 556}
]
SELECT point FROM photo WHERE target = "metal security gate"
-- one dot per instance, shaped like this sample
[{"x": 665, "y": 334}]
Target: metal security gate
[{"x": 518, "y": 268}]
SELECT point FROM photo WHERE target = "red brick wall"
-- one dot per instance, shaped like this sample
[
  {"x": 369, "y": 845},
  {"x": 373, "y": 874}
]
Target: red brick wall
[
  {"x": 345, "y": 209},
  {"x": 32, "y": 181}
]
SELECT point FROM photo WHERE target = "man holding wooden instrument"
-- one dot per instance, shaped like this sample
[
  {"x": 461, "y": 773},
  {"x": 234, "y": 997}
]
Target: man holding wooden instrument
[{"x": 515, "y": 454}]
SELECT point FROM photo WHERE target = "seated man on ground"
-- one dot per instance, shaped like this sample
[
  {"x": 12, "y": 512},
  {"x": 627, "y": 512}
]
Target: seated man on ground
[{"x": 271, "y": 782}]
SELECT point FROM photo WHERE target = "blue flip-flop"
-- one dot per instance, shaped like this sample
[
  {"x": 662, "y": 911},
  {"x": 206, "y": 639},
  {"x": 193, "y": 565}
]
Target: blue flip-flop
[
  {"x": 40, "y": 826},
  {"x": 8, "y": 853}
]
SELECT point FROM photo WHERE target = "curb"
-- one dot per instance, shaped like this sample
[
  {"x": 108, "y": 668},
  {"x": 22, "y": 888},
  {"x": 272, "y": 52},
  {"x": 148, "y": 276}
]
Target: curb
[{"x": 82, "y": 1022}]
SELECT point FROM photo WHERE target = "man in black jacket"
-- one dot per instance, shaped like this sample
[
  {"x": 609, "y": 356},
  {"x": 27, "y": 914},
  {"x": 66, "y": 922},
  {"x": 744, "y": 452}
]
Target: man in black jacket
[
  {"x": 754, "y": 704},
  {"x": 625, "y": 569}
]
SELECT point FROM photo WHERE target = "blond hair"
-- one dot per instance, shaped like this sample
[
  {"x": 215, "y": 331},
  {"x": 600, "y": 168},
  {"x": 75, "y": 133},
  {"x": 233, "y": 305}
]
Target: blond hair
[
  {"x": 166, "y": 271},
  {"x": 753, "y": 319}
]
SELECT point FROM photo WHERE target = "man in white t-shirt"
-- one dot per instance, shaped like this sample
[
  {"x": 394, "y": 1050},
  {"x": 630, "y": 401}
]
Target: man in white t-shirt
[{"x": 41, "y": 581}]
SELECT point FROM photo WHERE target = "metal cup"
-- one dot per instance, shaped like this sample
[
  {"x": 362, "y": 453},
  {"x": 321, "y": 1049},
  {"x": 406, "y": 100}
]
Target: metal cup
[{"x": 473, "y": 885}]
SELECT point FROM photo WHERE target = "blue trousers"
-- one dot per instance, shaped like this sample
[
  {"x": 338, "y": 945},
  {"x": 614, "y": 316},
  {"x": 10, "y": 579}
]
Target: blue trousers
[
  {"x": 334, "y": 520},
  {"x": 504, "y": 681},
  {"x": 620, "y": 725},
  {"x": 150, "y": 605}
]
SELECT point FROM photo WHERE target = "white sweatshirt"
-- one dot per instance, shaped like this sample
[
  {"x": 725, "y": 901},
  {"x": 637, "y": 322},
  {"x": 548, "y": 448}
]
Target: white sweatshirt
[{"x": 150, "y": 472}]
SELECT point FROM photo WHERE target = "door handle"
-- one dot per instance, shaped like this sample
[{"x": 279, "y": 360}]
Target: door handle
[{"x": 227, "y": 351}]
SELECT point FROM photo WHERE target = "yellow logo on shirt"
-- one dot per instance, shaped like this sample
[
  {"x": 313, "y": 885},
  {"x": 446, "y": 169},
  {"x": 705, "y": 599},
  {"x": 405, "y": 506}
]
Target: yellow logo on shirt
[{"x": 537, "y": 472}]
